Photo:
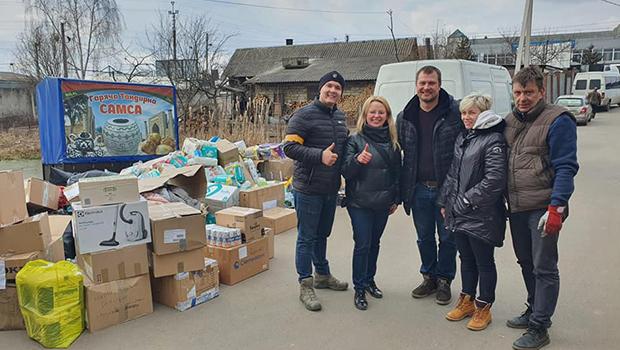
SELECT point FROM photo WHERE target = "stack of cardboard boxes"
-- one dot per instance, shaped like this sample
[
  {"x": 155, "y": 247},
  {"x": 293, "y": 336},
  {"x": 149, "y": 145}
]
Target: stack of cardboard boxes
[
  {"x": 111, "y": 228},
  {"x": 23, "y": 239}
]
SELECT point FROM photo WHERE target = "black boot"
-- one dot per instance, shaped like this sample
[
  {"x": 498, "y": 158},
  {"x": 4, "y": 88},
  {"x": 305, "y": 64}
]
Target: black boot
[
  {"x": 428, "y": 287},
  {"x": 444, "y": 295},
  {"x": 534, "y": 338},
  {"x": 522, "y": 321},
  {"x": 360, "y": 300},
  {"x": 373, "y": 290}
]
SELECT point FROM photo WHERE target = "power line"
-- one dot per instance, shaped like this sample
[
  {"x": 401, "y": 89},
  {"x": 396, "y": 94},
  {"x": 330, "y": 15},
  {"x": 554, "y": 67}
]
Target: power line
[
  {"x": 610, "y": 2},
  {"x": 296, "y": 9}
]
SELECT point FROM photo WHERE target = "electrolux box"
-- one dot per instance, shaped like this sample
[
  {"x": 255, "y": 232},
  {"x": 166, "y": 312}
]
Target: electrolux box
[{"x": 112, "y": 226}]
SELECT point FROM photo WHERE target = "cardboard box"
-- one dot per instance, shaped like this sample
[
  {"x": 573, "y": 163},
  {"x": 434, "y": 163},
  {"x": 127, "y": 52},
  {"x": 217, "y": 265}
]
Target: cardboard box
[
  {"x": 10, "y": 315},
  {"x": 227, "y": 152},
  {"x": 263, "y": 198},
  {"x": 115, "y": 302},
  {"x": 220, "y": 197},
  {"x": 13, "y": 203},
  {"x": 188, "y": 289},
  {"x": 115, "y": 264},
  {"x": 72, "y": 193},
  {"x": 171, "y": 264},
  {"x": 192, "y": 179},
  {"x": 245, "y": 219},
  {"x": 115, "y": 226},
  {"x": 41, "y": 194},
  {"x": 12, "y": 263},
  {"x": 279, "y": 219},
  {"x": 277, "y": 169},
  {"x": 176, "y": 227},
  {"x": 271, "y": 244},
  {"x": 36, "y": 233},
  {"x": 241, "y": 262},
  {"x": 108, "y": 190}
]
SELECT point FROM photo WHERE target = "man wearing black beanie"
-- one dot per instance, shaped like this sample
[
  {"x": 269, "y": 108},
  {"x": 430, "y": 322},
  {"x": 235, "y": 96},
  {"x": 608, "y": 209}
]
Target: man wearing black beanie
[{"x": 315, "y": 138}]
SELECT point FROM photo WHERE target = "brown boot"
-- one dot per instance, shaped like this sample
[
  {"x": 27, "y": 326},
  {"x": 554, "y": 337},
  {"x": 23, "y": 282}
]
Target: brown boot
[
  {"x": 464, "y": 308},
  {"x": 482, "y": 316}
]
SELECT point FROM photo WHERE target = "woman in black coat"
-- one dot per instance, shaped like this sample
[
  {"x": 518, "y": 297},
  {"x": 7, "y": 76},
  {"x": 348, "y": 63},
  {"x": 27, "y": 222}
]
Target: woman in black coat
[
  {"x": 371, "y": 169},
  {"x": 473, "y": 206}
]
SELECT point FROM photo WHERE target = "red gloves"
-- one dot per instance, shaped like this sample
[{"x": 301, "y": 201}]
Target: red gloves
[{"x": 551, "y": 222}]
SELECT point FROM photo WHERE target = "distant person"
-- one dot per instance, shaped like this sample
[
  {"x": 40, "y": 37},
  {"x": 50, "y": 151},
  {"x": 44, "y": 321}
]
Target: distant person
[
  {"x": 316, "y": 137},
  {"x": 472, "y": 203},
  {"x": 542, "y": 162},
  {"x": 371, "y": 169},
  {"x": 594, "y": 98},
  {"x": 427, "y": 128}
]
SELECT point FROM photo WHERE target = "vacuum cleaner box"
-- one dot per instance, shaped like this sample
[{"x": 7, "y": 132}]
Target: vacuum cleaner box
[
  {"x": 279, "y": 219},
  {"x": 41, "y": 194},
  {"x": 176, "y": 227},
  {"x": 108, "y": 190},
  {"x": 241, "y": 262},
  {"x": 115, "y": 302},
  {"x": 245, "y": 219},
  {"x": 188, "y": 289},
  {"x": 113, "y": 226},
  {"x": 115, "y": 264},
  {"x": 13, "y": 203},
  {"x": 171, "y": 264},
  {"x": 263, "y": 198}
]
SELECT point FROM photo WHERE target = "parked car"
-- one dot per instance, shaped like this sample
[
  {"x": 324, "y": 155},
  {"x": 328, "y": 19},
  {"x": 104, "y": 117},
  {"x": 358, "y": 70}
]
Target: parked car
[{"x": 578, "y": 105}]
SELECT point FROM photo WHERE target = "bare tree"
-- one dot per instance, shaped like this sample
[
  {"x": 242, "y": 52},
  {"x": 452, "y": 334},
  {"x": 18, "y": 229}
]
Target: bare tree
[
  {"x": 91, "y": 27},
  {"x": 511, "y": 42},
  {"x": 199, "y": 53},
  {"x": 549, "y": 51},
  {"x": 132, "y": 63},
  {"x": 591, "y": 56},
  {"x": 439, "y": 40}
]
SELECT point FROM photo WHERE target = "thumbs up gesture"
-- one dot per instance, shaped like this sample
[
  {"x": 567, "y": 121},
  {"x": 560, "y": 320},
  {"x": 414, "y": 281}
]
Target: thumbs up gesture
[
  {"x": 365, "y": 156},
  {"x": 329, "y": 158}
]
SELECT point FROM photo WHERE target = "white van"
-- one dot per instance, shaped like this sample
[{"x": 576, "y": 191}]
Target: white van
[
  {"x": 396, "y": 82},
  {"x": 607, "y": 82}
]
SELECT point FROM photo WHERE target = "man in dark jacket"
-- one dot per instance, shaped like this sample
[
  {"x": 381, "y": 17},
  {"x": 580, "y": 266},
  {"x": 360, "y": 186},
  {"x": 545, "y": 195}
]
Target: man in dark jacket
[
  {"x": 427, "y": 130},
  {"x": 316, "y": 136},
  {"x": 542, "y": 163}
]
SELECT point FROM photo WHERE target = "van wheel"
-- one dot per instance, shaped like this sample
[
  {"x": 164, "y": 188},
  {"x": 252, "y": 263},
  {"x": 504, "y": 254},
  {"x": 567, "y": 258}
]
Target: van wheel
[{"x": 608, "y": 106}]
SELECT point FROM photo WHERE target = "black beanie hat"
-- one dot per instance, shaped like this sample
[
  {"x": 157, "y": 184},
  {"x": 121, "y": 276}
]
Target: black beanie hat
[{"x": 331, "y": 76}]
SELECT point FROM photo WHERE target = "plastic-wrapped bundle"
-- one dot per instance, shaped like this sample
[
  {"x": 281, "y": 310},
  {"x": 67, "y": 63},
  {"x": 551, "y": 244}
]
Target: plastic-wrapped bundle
[{"x": 51, "y": 300}]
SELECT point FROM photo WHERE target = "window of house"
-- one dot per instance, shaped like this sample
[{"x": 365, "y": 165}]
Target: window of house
[
  {"x": 607, "y": 55},
  {"x": 616, "y": 54},
  {"x": 577, "y": 57}
]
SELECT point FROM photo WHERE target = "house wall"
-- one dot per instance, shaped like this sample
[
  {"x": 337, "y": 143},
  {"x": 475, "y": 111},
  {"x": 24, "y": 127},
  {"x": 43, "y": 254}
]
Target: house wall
[{"x": 16, "y": 105}]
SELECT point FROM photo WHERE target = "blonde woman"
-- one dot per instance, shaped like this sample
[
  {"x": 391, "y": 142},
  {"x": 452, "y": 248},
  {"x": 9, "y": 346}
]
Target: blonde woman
[
  {"x": 371, "y": 169},
  {"x": 472, "y": 204}
]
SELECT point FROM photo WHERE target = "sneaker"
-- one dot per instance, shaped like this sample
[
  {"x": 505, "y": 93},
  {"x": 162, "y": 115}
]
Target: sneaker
[
  {"x": 534, "y": 338},
  {"x": 329, "y": 282},
  {"x": 360, "y": 300},
  {"x": 307, "y": 295},
  {"x": 373, "y": 290},
  {"x": 428, "y": 287},
  {"x": 482, "y": 316},
  {"x": 444, "y": 295},
  {"x": 522, "y": 321},
  {"x": 464, "y": 308}
]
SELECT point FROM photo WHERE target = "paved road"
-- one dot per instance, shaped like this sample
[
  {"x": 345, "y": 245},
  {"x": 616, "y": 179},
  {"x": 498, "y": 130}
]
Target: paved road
[{"x": 264, "y": 312}]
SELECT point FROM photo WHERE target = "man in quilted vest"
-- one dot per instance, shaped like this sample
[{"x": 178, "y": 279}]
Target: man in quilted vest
[{"x": 542, "y": 163}]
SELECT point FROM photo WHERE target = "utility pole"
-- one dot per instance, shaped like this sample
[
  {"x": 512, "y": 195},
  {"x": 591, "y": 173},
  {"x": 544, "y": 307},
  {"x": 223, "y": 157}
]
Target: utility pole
[
  {"x": 207, "y": 53},
  {"x": 63, "y": 37},
  {"x": 391, "y": 28},
  {"x": 523, "y": 51},
  {"x": 174, "y": 14}
]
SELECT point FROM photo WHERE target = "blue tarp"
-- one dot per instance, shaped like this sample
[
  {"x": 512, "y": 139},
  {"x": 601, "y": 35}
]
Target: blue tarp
[{"x": 99, "y": 106}]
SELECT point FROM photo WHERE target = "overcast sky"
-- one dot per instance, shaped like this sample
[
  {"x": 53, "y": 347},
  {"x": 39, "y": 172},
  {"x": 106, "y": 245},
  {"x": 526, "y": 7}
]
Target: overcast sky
[{"x": 256, "y": 26}]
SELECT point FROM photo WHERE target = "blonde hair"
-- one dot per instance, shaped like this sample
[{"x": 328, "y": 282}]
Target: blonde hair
[
  {"x": 361, "y": 120},
  {"x": 480, "y": 101}
]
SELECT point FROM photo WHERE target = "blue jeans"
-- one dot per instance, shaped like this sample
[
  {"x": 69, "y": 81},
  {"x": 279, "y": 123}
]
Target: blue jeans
[
  {"x": 477, "y": 267},
  {"x": 427, "y": 218},
  {"x": 315, "y": 217},
  {"x": 368, "y": 226},
  {"x": 538, "y": 258}
]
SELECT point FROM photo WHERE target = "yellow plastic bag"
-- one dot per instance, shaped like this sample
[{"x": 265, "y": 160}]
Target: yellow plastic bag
[{"x": 51, "y": 299}]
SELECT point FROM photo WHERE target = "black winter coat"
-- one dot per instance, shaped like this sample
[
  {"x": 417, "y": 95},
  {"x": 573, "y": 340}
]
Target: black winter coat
[
  {"x": 445, "y": 131},
  {"x": 374, "y": 185},
  {"x": 472, "y": 193},
  {"x": 310, "y": 131}
]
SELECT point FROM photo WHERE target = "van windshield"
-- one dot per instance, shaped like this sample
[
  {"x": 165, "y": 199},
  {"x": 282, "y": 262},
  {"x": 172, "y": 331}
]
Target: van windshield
[
  {"x": 581, "y": 84},
  {"x": 595, "y": 83},
  {"x": 569, "y": 102}
]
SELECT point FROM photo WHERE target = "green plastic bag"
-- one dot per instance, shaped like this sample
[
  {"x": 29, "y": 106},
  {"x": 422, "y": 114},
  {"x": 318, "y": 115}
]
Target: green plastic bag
[{"x": 51, "y": 299}]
